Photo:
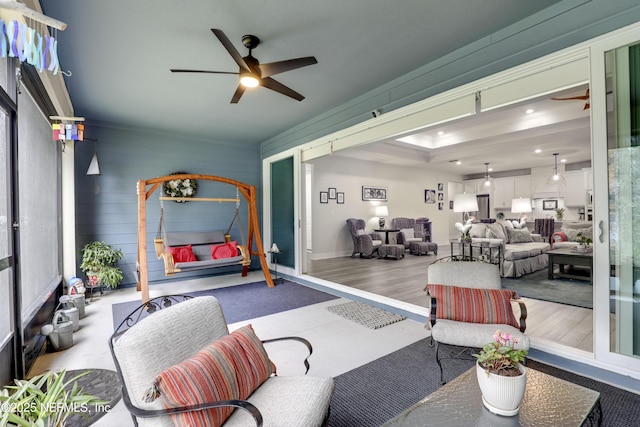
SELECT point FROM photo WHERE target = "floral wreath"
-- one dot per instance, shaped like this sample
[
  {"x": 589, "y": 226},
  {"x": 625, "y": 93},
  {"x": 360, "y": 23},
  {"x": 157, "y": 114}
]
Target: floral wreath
[{"x": 180, "y": 187}]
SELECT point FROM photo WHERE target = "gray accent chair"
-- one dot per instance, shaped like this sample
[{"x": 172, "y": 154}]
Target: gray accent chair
[
  {"x": 167, "y": 330},
  {"x": 464, "y": 338},
  {"x": 365, "y": 244},
  {"x": 409, "y": 231}
]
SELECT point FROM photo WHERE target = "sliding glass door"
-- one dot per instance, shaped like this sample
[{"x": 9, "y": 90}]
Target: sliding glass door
[{"x": 616, "y": 91}]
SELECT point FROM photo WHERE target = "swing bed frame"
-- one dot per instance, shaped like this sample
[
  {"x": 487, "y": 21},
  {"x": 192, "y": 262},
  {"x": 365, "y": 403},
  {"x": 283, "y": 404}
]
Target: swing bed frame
[{"x": 145, "y": 189}]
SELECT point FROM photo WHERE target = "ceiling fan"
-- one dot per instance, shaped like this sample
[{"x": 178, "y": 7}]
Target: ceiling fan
[
  {"x": 584, "y": 97},
  {"x": 251, "y": 72}
]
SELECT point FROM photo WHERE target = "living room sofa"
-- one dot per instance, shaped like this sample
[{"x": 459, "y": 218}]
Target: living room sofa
[
  {"x": 523, "y": 252},
  {"x": 568, "y": 234}
]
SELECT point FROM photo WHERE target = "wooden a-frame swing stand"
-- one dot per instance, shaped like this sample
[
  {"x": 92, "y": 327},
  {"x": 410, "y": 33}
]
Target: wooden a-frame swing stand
[{"x": 247, "y": 191}]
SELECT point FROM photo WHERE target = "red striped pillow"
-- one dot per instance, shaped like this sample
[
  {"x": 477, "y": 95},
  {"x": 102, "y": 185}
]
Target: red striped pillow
[
  {"x": 206, "y": 377},
  {"x": 253, "y": 367},
  {"x": 474, "y": 305}
]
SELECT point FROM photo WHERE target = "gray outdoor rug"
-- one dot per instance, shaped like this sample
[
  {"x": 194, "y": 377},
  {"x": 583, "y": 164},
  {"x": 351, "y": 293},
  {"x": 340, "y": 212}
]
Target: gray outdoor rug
[
  {"x": 365, "y": 315},
  {"x": 564, "y": 291},
  {"x": 372, "y": 394},
  {"x": 247, "y": 301}
]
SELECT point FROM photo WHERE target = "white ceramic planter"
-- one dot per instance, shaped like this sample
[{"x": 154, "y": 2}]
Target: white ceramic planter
[{"x": 502, "y": 395}]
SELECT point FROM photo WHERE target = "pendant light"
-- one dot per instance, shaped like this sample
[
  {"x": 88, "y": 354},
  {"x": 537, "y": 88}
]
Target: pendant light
[
  {"x": 487, "y": 184},
  {"x": 556, "y": 180}
]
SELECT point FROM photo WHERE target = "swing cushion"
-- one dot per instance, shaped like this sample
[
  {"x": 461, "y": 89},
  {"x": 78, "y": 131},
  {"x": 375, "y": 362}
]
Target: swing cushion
[
  {"x": 228, "y": 250},
  {"x": 182, "y": 253}
]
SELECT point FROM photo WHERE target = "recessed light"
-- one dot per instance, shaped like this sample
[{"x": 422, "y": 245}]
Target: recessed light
[
  {"x": 538, "y": 151},
  {"x": 529, "y": 111},
  {"x": 440, "y": 133},
  {"x": 490, "y": 169},
  {"x": 563, "y": 160}
]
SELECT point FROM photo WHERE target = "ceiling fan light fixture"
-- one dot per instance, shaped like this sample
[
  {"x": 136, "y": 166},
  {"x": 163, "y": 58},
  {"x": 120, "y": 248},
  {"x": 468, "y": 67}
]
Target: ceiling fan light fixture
[{"x": 249, "y": 80}]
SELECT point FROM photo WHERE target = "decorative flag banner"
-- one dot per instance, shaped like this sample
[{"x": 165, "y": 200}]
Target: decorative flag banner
[
  {"x": 68, "y": 132},
  {"x": 22, "y": 42}
]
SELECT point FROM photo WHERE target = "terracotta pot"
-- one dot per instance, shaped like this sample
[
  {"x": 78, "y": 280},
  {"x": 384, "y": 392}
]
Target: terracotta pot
[{"x": 502, "y": 395}]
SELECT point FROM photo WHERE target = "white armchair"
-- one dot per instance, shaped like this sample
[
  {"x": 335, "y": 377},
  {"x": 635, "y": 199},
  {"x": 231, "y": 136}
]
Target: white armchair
[{"x": 448, "y": 280}]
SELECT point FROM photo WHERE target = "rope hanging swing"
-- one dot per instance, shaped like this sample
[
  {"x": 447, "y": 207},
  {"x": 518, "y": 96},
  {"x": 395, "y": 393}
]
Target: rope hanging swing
[{"x": 165, "y": 239}]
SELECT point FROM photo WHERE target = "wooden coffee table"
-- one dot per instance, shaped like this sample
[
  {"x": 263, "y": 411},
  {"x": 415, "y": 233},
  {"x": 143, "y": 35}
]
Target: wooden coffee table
[
  {"x": 570, "y": 256},
  {"x": 548, "y": 401}
]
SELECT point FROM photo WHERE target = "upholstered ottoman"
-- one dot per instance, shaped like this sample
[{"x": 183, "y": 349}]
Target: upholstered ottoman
[
  {"x": 391, "y": 251},
  {"x": 423, "y": 248}
]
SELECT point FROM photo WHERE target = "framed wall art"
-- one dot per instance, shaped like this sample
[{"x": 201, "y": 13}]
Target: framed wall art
[
  {"x": 429, "y": 196},
  {"x": 549, "y": 205},
  {"x": 340, "y": 198},
  {"x": 324, "y": 197},
  {"x": 332, "y": 193},
  {"x": 374, "y": 193}
]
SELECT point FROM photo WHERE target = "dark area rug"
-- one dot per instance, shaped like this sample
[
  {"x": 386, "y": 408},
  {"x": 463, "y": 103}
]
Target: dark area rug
[
  {"x": 564, "y": 291},
  {"x": 376, "y": 392},
  {"x": 247, "y": 301}
]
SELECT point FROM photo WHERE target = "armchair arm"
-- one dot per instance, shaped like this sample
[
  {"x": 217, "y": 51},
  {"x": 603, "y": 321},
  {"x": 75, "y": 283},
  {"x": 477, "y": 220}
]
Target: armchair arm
[
  {"x": 299, "y": 339},
  {"x": 561, "y": 235},
  {"x": 523, "y": 316},
  {"x": 145, "y": 413}
]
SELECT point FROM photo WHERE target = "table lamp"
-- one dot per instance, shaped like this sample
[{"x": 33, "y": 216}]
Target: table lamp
[
  {"x": 521, "y": 206},
  {"x": 382, "y": 212},
  {"x": 465, "y": 203}
]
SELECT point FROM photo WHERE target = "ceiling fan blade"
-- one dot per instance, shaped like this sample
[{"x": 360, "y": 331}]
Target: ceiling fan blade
[
  {"x": 238, "y": 93},
  {"x": 180, "y": 70},
  {"x": 274, "y": 85},
  {"x": 273, "y": 68},
  {"x": 583, "y": 97},
  {"x": 231, "y": 49}
]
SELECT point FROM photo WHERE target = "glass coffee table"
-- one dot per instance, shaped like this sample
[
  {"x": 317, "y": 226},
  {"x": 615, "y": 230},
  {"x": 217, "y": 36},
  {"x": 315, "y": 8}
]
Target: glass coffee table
[{"x": 548, "y": 401}]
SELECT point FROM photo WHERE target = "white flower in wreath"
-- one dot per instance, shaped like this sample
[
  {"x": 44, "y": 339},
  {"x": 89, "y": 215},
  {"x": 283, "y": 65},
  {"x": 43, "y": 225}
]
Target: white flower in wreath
[{"x": 180, "y": 187}]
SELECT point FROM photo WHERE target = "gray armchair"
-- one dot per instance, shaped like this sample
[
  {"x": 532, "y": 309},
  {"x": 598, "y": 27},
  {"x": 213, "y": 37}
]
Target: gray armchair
[
  {"x": 409, "y": 231},
  {"x": 364, "y": 244}
]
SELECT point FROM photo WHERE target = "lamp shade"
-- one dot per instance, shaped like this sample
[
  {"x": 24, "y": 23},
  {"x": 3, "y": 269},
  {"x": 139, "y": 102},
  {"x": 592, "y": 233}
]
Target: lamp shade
[
  {"x": 465, "y": 202},
  {"x": 382, "y": 211},
  {"x": 521, "y": 205}
]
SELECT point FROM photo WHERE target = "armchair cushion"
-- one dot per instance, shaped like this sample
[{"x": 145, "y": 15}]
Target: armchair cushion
[
  {"x": 408, "y": 233},
  {"x": 474, "y": 305}
]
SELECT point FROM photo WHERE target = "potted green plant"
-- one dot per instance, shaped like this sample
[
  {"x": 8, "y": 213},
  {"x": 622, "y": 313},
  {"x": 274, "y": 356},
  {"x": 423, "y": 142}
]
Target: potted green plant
[
  {"x": 583, "y": 241},
  {"x": 501, "y": 375},
  {"x": 99, "y": 263},
  {"x": 44, "y": 400},
  {"x": 560, "y": 213}
]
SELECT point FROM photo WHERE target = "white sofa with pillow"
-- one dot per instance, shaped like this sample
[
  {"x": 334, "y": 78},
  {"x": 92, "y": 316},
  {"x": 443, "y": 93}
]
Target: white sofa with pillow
[
  {"x": 522, "y": 251},
  {"x": 568, "y": 234}
]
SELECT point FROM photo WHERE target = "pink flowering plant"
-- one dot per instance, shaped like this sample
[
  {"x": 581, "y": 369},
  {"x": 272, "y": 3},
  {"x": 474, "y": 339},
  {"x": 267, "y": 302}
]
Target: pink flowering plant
[{"x": 499, "y": 357}]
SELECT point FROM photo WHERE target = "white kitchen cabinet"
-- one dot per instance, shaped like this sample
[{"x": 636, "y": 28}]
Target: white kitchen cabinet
[
  {"x": 575, "y": 191},
  {"x": 522, "y": 186},
  {"x": 503, "y": 193}
]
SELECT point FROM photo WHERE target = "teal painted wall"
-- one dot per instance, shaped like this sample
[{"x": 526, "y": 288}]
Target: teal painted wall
[
  {"x": 106, "y": 205},
  {"x": 563, "y": 25}
]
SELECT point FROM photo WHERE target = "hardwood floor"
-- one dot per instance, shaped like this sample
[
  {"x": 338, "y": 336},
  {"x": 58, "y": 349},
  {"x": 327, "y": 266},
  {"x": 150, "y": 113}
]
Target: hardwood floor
[{"x": 405, "y": 279}]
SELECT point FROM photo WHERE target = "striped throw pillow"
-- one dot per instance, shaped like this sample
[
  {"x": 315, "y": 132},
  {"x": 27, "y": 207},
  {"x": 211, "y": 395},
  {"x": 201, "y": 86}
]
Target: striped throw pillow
[
  {"x": 253, "y": 366},
  {"x": 206, "y": 377},
  {"x": 474, "y": 305}
]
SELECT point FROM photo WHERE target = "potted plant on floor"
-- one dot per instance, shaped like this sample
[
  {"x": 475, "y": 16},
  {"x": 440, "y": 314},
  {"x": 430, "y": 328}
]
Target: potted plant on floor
[
  {"x": 44, "y": 400},
  {"x": 501, "y": 375},
  {"x": 99, "y": 263}
]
